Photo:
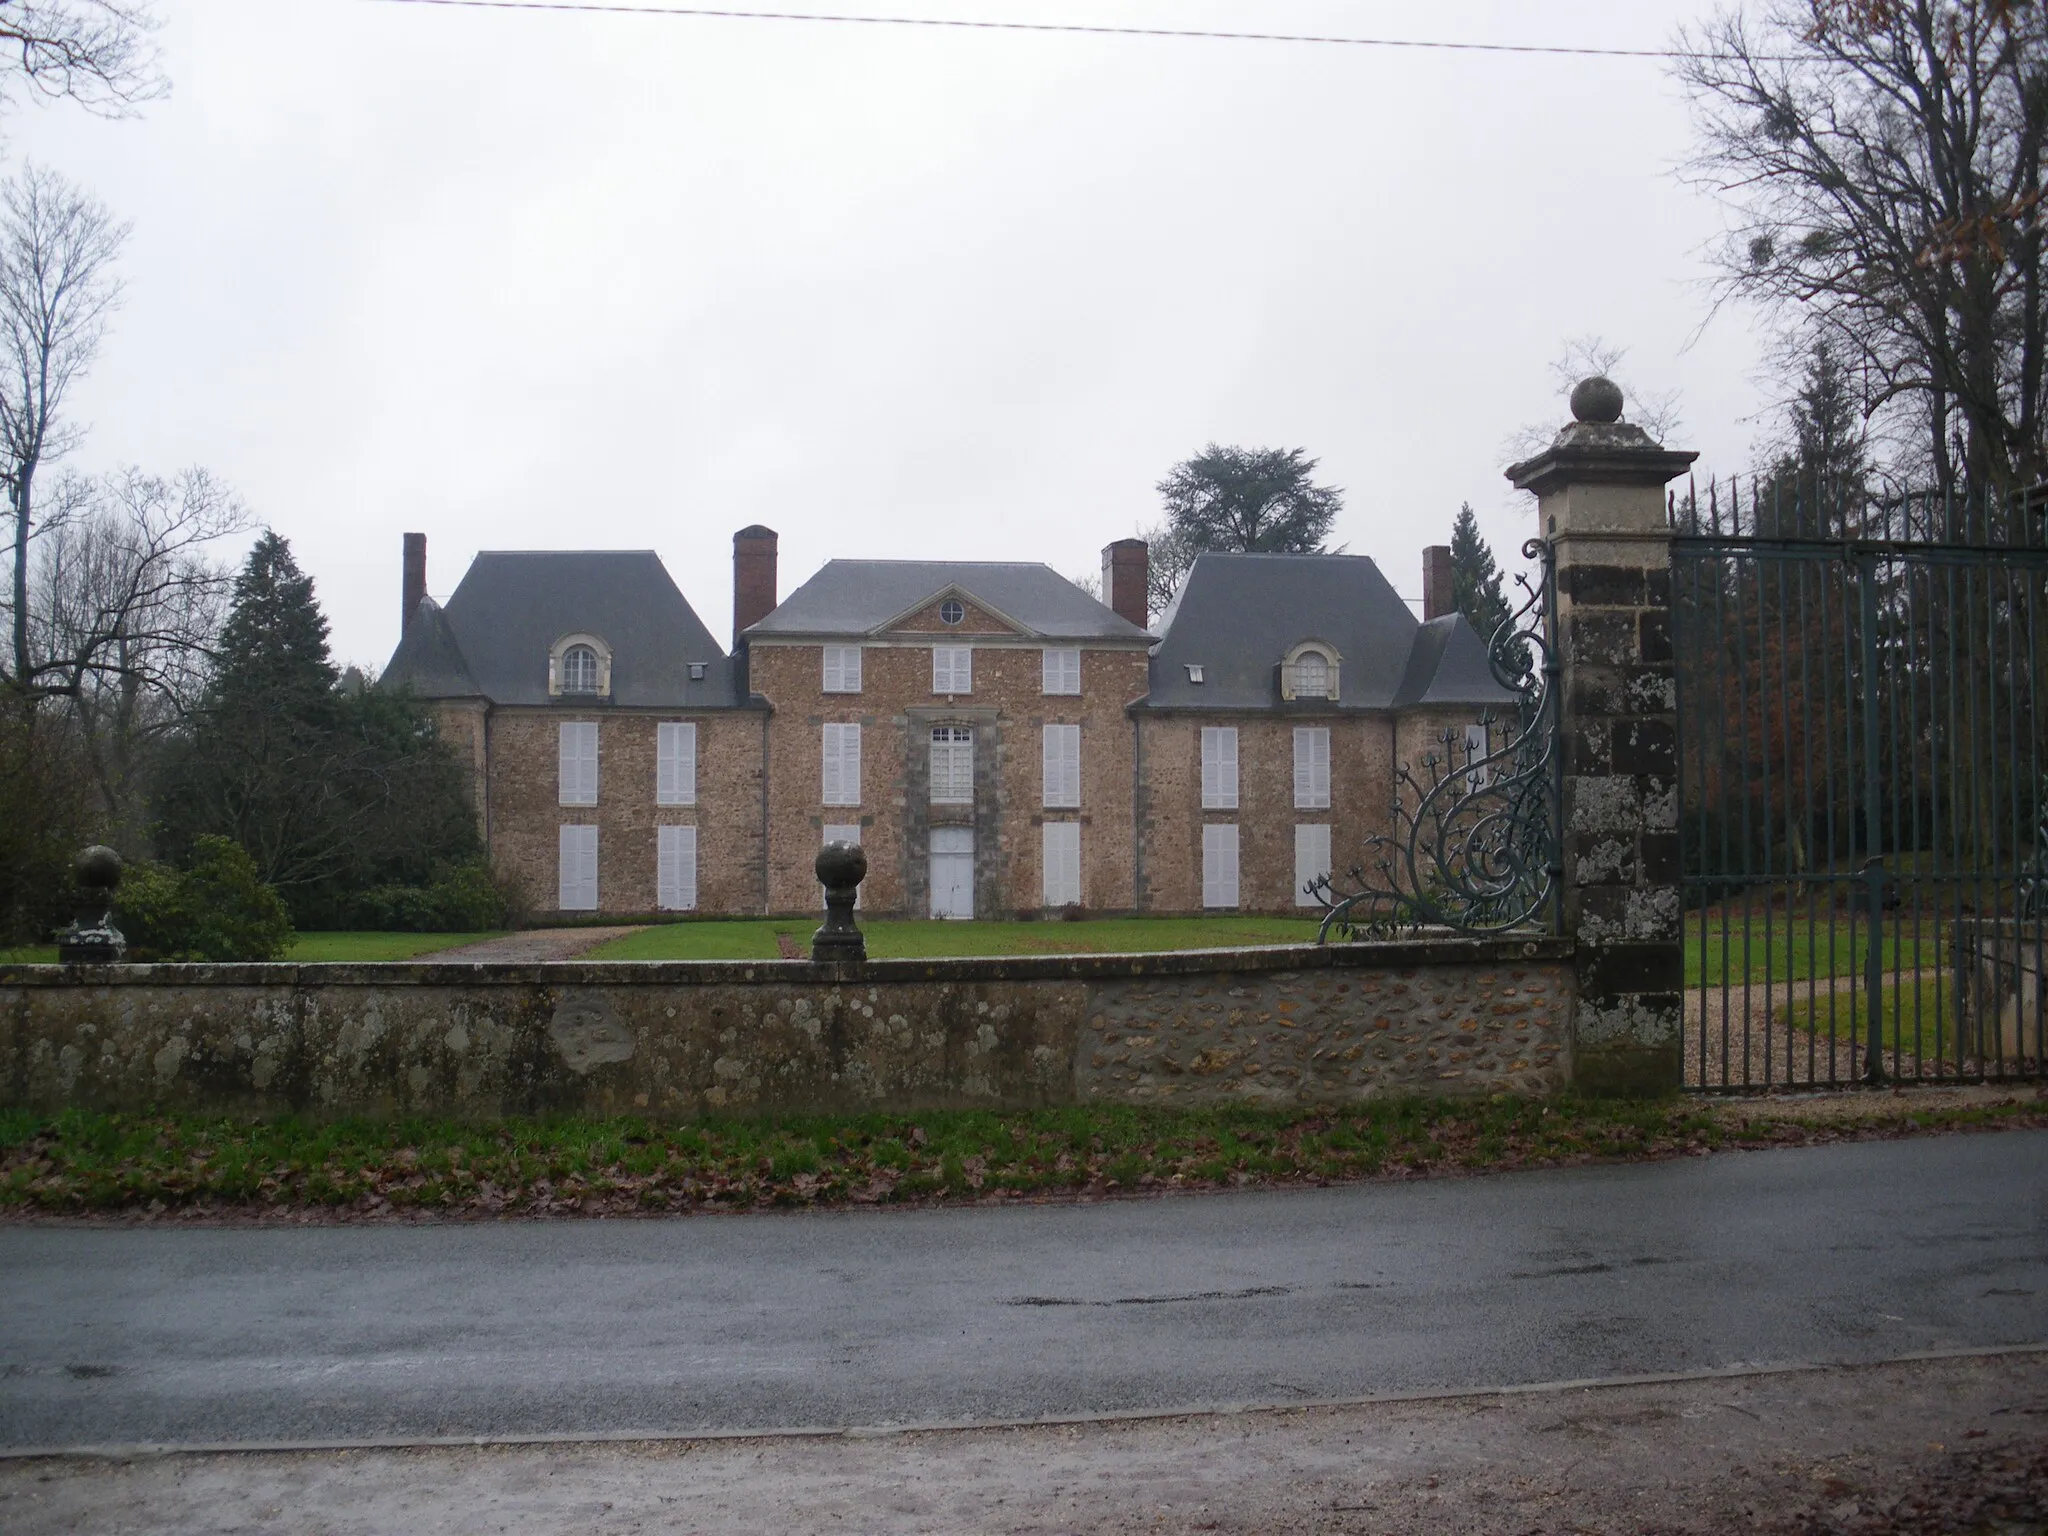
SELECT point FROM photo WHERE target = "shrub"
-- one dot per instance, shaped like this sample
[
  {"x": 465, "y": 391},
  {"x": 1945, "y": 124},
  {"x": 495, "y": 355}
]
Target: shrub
[
  {"x": 464, "y": 899},
  {"x": 216, "y": 910}
]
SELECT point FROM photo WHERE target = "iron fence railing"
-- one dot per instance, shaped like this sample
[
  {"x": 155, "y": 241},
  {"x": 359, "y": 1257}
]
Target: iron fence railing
[{"x": 1861, "y": 756}]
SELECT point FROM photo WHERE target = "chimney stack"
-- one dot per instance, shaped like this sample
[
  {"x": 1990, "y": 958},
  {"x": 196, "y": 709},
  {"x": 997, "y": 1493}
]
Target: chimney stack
[
  {"x": 1126, "y": 570},
  {"x": 413, "y": 589},
  {"x": 1439, "y": 590},
  {"x": 753, "y": 578}
]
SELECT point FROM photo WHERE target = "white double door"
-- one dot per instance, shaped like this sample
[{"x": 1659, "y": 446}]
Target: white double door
[{"x": 952, "y": 872}]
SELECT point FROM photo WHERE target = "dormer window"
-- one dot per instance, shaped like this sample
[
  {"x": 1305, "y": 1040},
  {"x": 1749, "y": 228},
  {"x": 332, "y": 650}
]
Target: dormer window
[
  {"x": 1309, "y": 671},
  {"x": 579, "y": 670},
  {"x": 1194, "y": 672},
  {"x": 579, "y": 667}
]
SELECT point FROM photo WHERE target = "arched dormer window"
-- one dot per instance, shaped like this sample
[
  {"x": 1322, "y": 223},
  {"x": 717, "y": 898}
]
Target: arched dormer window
[
  {"x": 1309, "y": 671},
  {"x": 579, "y": 667}
]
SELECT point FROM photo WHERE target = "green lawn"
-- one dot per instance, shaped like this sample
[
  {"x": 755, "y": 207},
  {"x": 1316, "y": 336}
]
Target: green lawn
[
  {"x": 312, "y": 946},
  {"x": 377, "y": 946},
  {"x": 1779, "y": 946},
  {"x": 1915, "y": 1019},
  {"x": 77, "y": 1161},
  {"x": 898, "y": 939}
]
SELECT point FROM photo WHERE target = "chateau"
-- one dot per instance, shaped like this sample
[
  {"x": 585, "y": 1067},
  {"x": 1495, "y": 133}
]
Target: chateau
[{"x": 1000, "y": 742}]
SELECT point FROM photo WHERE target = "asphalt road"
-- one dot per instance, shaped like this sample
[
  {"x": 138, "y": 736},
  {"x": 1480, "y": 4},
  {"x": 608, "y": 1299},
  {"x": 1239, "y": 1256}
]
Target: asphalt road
[{"x": 1852, "y": 1253}]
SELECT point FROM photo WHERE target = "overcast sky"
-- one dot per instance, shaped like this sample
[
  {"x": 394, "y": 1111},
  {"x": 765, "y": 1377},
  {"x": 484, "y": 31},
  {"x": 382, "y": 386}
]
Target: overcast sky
[{"x": 584, "y": 281}]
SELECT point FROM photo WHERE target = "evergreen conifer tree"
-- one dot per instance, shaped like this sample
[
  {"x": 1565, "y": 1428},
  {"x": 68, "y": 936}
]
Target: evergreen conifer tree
[{"x": 1475, "y": 579}]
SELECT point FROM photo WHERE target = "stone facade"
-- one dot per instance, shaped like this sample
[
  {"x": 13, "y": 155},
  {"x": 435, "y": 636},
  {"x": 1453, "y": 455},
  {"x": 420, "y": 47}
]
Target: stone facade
[
  {"x": 522, "y": 810},
  {"x": 897, "y": 710},
  {"x": 1287, "y": 1026}
]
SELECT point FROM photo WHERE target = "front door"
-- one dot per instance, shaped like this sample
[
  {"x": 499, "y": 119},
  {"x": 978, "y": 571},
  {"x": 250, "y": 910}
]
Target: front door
[{"x": 952, "y": 872}]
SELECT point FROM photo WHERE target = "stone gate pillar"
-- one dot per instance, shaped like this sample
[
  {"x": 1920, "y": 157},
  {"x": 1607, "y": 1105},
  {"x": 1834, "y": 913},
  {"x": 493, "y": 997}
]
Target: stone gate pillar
[{"x": 1600, "y": 501}]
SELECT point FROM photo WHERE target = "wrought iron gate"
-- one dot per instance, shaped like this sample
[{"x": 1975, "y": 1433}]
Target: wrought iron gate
[{"x": 1861, "y": 751}]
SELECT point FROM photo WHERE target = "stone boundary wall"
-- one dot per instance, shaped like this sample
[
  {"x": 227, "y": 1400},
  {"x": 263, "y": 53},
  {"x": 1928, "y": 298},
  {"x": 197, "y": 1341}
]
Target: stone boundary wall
[{"x": 1293, "y": 1025}]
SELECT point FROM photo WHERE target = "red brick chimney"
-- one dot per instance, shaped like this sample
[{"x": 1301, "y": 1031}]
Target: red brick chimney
[
  {"x": 1439, "y": 591},
  {"x": 753, "y": 578},
  {"x": 1126, "y": 568},
  {"x": 413, "y": 589}
]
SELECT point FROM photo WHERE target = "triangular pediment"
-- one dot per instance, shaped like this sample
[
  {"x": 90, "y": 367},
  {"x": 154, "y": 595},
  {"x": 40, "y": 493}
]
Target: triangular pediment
[{"x": 928, "y": 616}]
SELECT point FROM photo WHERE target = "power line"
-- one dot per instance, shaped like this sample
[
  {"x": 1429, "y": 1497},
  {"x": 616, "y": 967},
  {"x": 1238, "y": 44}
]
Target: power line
[{"x": 599, "y": 7}]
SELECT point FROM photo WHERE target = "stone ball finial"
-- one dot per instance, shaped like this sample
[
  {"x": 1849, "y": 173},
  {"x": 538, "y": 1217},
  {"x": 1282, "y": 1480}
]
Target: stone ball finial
[
  {"x": 1597, "y": 399},
  {"x": 841, "y": 864},
  {"x": 98, "y": 868}
]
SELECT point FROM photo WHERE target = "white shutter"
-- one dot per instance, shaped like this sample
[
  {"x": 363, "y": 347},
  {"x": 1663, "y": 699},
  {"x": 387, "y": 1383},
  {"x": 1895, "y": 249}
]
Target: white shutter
[
  {"x": 1476, "y": 748},
  {"x": 576, "y": 762},
  {"x": 1311, "y": 861},
  {"x": 952, "y": 669},
  {"x": 676, "y": 868},
  {"x": 576, "y": 869},
  {"x": 1219, "y": 865},
  {"x": 1219, "y": 767},
  {"x": 842, "y": 765},
  {"x": 842, "y": 669},
  {"x": 1312, "y": 767},
  {"x": 1061, "y": 669},
  {"x": 1061, "y": 859},
  {"x": 675, "y": 774},
  {"x": 1060, "y": 761}
]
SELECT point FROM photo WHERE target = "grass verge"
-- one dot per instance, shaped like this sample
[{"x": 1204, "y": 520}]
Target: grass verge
[
  {"x": 81, "y": 1163},
  {"x": 1783, "y": 946},
  {"x": 1916, "y": 1016},
  {"x": 899, "y": 939}
]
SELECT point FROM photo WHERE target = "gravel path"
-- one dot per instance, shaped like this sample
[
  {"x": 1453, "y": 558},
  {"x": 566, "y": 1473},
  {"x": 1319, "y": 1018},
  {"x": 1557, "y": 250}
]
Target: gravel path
[
  {"x": 535, "y": 944},
  {"x": 1932, "y": 1446}
]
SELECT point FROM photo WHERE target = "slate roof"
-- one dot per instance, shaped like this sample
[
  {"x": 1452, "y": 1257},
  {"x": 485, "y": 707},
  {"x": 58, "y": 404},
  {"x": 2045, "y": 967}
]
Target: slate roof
[
  {"x": 859, "y": 597},
  {"x": 492, "y": 638},
  {"x": 1237, "y": 616}
]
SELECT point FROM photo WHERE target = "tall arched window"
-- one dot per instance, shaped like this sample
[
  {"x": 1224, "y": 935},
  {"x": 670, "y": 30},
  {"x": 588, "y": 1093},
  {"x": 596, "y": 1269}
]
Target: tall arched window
[{"x": 579, "y": 670}]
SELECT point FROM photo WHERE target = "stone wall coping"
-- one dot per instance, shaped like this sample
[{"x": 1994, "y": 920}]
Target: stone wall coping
[{"x": 1399, "y": 954}]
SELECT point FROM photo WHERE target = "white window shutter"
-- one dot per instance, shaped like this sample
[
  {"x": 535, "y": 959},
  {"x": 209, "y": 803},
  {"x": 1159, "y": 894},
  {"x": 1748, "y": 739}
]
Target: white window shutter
[
  {"x": 834, "y": 681},
  {"x": 576, "y": 762},
  {"x": 1311, "y": 860},
  {"x": 1061, "y": 845},
  {"x": 1061, "y": 669},
  {"x": 1219, "y": 865},
  {"x": 676, "y": 868},
  {"x": 849, "y": 664},
  {"x": 842, "y": 669},
  {"x": 576, "y": 866},
  {"x": 1061, "y": 766},
  {"x": 1219, "y": 767},
  {"x": 830, "y": 772},
  {"x": 841, "y": 765},
  {"x": 1312, "y": 767},
  {"x": 675, "y": 774}
]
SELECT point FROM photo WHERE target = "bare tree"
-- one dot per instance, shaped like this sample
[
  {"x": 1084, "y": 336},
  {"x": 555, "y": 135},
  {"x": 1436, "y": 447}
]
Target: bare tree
[
  {"x": 57, "y": 289},
  {"x": 99, "y": 53},
  {"x": 1882, "y": 162}
]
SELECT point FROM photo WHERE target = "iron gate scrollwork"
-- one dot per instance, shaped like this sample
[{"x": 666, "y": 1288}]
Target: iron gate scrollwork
[{"x": 1475, "y": 840}]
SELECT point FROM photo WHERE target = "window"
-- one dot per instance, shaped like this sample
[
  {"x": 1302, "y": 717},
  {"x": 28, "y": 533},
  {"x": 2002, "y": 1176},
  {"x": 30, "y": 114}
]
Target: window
[
  {"x": 579, "y": 670},
  {"x": 1312, "y": 767},
  {"x": 844, "y": 832},
  {"x": 952, "y": 765},
  {"x": 952, "y": 669},
  {"x": 675, "y": 868},
  {"x": 1219, "y": 767},
  {"x": 1219, "y": 865},
  {"x": 1062, "y": 758},
  {"x": 842, "y": 765},
  {"x": 576, "y": 762},
  {"x": 1062, "y": 847},
  {"x": 951, "y": 611},
  {"x": 1311, "y": 675},
  {"x": 675, "y": 772},
  {"x": 576, "y": 865},
  {"x": 1476, "y": 749},
  {"x": 1062, "y": 669},
  {"x": 842, "y": 669},
  {"x": 1194, "y": 672},
  {"x": 1311, "y": 861}
]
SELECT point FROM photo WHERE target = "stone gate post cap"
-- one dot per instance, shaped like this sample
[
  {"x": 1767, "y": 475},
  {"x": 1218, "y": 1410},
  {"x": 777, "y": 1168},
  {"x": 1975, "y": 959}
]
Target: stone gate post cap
[
  {"x": 841, "y": 864},
  {"x": 97, "y": 867}
]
